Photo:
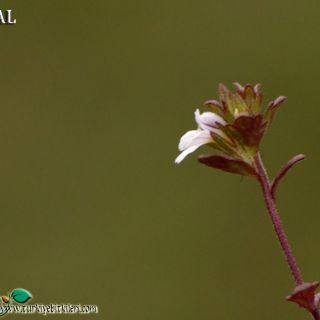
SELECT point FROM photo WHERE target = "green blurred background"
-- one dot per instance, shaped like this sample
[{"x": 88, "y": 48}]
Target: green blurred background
[{"x": 94, "y": 98}]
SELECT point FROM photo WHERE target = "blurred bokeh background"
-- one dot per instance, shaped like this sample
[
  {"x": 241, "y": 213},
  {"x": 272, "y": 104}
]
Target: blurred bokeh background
[{"x": 94, "y": 98}]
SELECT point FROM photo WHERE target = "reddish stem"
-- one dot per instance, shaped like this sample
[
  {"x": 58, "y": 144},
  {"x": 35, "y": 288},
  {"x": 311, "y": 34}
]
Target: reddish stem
[
  {"x": 269, "y": 198},
  {"x": 276, "y": 221}
]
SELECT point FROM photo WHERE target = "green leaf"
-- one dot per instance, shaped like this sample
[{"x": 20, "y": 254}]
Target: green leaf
[{"x": 21, "y": 295}]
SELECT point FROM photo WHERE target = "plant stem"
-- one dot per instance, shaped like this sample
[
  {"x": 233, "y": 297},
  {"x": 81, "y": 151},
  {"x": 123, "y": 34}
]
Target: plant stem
[
  {"x": 276, "y": 221},
  {"x": 269, "y": 198}
]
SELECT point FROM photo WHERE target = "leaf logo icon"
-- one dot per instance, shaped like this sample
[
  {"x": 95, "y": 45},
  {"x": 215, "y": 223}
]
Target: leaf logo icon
[{"x": 21, "y": 295}]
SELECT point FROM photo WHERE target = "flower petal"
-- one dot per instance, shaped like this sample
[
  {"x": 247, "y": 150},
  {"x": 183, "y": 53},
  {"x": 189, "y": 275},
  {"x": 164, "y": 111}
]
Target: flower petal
[
  {"x": 183, "y": 154},
  {"x": 208, "y": 120},
  {"x": 194, "y": 138},
  {"x": 191, "y": 141}
]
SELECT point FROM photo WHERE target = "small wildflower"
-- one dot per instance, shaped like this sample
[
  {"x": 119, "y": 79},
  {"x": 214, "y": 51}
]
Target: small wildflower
[
  {"x": 207, "y": 127},
  {"x": 234, "y": 126}
]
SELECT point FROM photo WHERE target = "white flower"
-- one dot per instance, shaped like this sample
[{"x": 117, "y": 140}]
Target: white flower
[
  {"x": 208, "y": 121},
  {"x": 192, "y": 140}
]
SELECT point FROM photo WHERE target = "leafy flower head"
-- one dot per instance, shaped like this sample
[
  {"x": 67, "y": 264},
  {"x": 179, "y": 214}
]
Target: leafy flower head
[{"x": 234, "y": 126}]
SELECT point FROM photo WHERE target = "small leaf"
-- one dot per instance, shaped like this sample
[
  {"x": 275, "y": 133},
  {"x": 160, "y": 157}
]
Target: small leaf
[
  {"x": 215, "y": 106},
  {"x": 251, "y": 129},
  {"x": 228, "y": 164},
  {"x": 239, "y": 87},
  {"x": 21, "y": 295},
  {"x": 304, "y": 295},
  {"x": 249, "y": 93},
  {"x": 272, "y": 108}
]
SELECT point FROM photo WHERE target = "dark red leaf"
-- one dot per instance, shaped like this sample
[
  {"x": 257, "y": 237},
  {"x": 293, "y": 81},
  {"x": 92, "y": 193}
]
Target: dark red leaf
[
  {"x": 227, "y": 164},
  {"x": 304, "y": 295},
  {"x": 251, "y": 128}
]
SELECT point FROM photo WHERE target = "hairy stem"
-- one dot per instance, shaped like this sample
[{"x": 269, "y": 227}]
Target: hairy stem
[
  {"x": 269, "y": 198},
  {"x": 276, "y": 221}
]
